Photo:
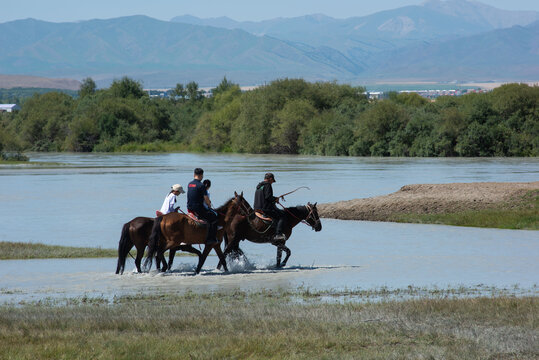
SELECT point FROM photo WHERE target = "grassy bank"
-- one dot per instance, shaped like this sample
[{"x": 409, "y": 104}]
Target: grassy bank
[
  {"x": 520, "y": 214},
  {"x": 14, "y": 250},
  {"x": 269, "y": 325}
]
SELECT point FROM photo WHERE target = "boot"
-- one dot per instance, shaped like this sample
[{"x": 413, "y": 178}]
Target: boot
[{"x": 210, "y": 237}]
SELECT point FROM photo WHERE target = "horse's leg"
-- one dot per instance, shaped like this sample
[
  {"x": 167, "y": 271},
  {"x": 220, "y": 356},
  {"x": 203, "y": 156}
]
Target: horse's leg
[
  {"x": 202, "y": 259},
  {"x": 287, "y": 251},
  {"x": 138, "y": 259},
  {"x": 228, "y": 249},
  {"x": 160, "y": 257},
  {"x": 239, "y": 251},
  {"x": 221, "y": 257},
  {"x": 279, "y": 255},
  {"x": 171, "y": 254},
  {"x": 191, "y": 249}
]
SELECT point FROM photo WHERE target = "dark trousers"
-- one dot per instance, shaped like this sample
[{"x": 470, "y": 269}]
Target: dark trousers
[
  {"x": 278, "y": 216},
  {"x": 211, "y": 218}
]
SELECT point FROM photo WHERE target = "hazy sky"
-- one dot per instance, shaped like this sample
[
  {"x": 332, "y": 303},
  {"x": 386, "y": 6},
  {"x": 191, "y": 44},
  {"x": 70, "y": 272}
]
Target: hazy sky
[{"x": 74, "y": 10}]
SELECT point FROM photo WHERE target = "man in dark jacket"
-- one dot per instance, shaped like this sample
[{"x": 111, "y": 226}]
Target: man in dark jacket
[
  {"x": 265, "y": 203},
  {"x": 196, "y": 196}
]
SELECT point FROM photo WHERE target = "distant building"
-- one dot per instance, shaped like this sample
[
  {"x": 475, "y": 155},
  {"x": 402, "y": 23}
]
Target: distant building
[
  {"x": 377, "y": 95},
  {"x": 9, "y": 107}
]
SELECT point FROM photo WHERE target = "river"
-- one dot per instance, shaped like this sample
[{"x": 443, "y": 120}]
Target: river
[{"x": 84, "y": 199}]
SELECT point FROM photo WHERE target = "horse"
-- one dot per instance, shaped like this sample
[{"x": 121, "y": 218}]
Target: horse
[
  {"x": 172, "y": 229},
  {"x": 137, "y": 233},
  {"x": 247, "y": 225}
]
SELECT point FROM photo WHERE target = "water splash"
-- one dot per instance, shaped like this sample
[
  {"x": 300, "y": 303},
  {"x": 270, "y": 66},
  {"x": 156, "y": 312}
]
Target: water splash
[
  {"x": 183, "y": 268},
  {"x": 239, "y": 264}
]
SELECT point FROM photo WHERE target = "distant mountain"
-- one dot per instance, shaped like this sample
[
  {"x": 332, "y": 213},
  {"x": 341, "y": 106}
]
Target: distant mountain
[
  {"x": 377, "y": 32},
  {"x": 479, "y": 13},
  {"x": 503, "y": 54},
  {"x": 450, "y": 40},
  {"x": 360, "y": 37},
  {"x": 164, "y": 52},
  {"x": 25, "y": 81}
]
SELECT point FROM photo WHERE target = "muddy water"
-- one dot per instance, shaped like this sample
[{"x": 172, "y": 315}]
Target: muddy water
[{"x": 85, "y": 201}]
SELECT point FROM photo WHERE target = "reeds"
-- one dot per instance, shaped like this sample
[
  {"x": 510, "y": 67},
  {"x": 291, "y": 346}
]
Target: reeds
[{"x": 270, "y": 325}]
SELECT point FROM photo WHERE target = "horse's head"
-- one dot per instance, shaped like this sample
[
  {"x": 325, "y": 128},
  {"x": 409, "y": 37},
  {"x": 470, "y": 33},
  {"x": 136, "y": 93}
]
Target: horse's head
[
  {"x": 243, "y": 206},
  {"x": 312, "y": 217}
]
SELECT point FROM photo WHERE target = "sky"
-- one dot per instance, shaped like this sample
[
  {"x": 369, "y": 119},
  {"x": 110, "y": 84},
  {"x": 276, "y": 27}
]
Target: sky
[{"x": 240, "y": 10}]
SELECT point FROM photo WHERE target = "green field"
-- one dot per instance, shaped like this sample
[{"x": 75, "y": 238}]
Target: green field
[{"x": 270, "y": 325}]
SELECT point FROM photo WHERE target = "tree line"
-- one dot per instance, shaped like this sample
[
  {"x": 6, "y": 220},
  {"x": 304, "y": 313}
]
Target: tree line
[{"x": 287, "y": 116}]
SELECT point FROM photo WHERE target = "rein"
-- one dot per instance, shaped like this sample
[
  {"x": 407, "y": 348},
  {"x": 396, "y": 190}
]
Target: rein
[
  {"x": 247, "y": 212},
  {"x": 303, "y": 221}
]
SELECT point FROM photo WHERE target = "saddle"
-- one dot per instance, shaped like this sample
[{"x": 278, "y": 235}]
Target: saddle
[
  {"x": 198, "y": 221},
  {"x": 267, "y": 220}
]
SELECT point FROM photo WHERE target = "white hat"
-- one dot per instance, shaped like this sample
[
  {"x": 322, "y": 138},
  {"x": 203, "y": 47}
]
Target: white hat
[{"x": 178, "y": 187}]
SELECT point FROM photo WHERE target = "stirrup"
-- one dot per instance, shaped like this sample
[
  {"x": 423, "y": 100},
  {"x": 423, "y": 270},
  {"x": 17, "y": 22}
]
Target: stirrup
[{"x": 279, "y": 237}]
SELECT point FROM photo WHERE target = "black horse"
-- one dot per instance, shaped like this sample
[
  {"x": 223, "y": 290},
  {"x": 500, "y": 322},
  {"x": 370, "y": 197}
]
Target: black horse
[{"x": 247, "y": 225}]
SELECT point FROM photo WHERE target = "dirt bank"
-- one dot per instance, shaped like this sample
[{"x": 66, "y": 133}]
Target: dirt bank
[{"x": 429, "y": 199}]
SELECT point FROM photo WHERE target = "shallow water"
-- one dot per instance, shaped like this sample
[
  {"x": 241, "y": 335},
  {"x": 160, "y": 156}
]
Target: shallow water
[{"x": 86, "y": 201}]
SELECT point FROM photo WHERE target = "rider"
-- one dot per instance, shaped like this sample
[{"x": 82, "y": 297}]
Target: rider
[
  {"x": 169, "y": 205},
  {"x": 207, "y": 201},
  {"x": 196, "y": 197},
  {"x": 265, "y": 202}
]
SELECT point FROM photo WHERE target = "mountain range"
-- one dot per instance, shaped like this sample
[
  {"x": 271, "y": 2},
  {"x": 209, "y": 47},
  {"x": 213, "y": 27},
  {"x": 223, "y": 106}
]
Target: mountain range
[{"x": 436, "y": 41}]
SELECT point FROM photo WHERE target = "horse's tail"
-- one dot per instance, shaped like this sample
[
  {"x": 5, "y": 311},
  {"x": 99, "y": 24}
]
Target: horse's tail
[
  {"x": 124, "y": 247},
  {"x": 153, "y": 242}
]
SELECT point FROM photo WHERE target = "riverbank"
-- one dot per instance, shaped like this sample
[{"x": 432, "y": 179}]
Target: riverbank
[
  {"x": 483, "y": 204},
  {"x": 26, "y": 251},
  {"x": 270, "y": 325},
  {"x": 16, "y": 250}
]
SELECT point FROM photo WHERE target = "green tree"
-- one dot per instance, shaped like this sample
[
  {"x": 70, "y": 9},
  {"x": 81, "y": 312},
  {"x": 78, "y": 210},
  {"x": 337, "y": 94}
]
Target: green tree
[
  {"x": 44, "y": 120},
  {"x": 179, "y": 91},
  {"x": 223, "y": 86},
  {"x": 127, "y": 88},
  {"x": 290, "y": 122},
  {"x": 377, "y": 126},
  {"x": 87, "y": 87},
  {"x": 193, "y": 93},
  {"x": 251, "y": 132},
  {"x": 411, "y": 99},
  {"x": 476, "y": 141}
]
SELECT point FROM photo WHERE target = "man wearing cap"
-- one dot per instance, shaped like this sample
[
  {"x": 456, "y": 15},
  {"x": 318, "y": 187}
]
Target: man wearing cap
[
  {"x": 196, "y": 197},
  {"x": 265, "y": 203},
  {"x": 169, "y": 205}
]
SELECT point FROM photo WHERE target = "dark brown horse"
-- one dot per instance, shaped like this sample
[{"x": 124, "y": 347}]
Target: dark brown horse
[
  {"x": 137, "y": 233},
  {"x": 172, "y": 229},
  {"x": 246, "y": 225}
]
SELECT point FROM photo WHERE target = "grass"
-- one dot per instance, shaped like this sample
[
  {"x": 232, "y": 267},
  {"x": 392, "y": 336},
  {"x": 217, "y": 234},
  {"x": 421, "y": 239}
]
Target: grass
[
  {"x": 14, "y": 250},
  {"x": 520, "y": 214},
  {"x": 269, "y": 325}
]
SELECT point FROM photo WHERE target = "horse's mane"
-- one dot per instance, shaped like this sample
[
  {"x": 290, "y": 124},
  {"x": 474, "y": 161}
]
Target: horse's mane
[
  {"x": 297, "y": 210},
  {"x": 223, "y": 207}
]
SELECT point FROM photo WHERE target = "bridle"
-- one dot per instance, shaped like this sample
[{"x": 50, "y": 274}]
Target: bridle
[
  {"x": 244, "y": 209},
  {"x": 310, "y": 215}
]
